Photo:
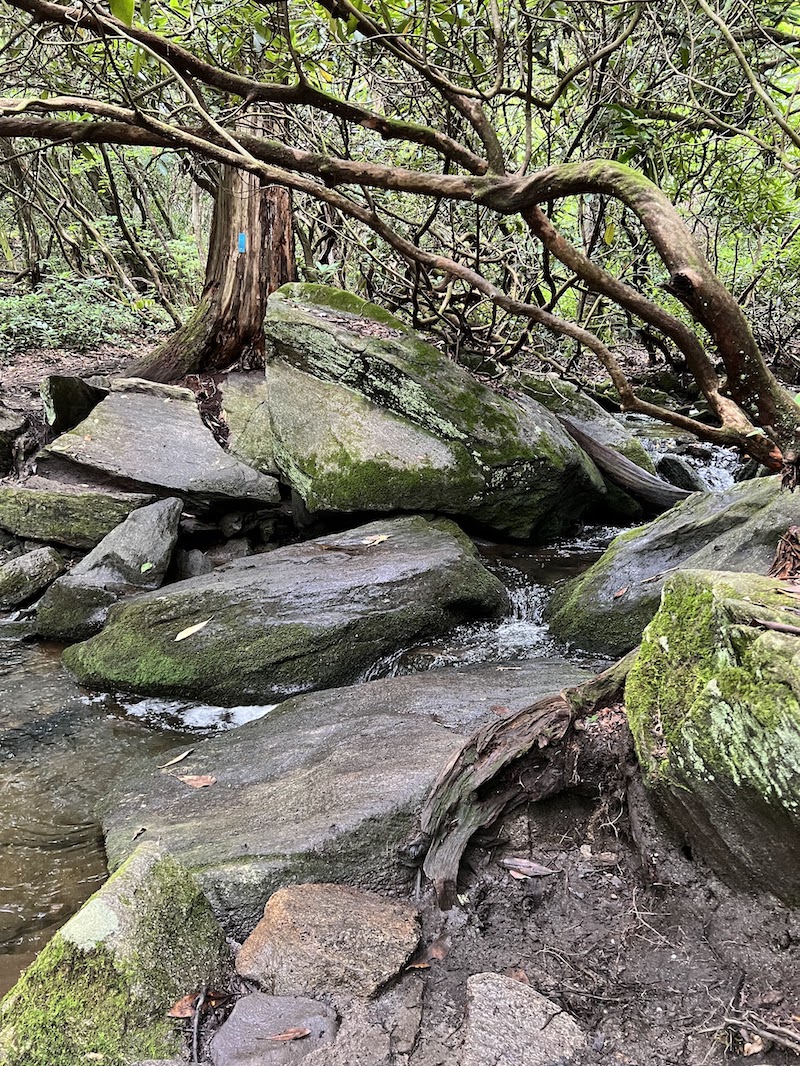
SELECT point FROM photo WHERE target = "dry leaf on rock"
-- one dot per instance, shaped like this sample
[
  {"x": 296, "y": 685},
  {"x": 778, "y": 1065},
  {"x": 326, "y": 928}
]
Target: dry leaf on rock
[
  {"x": 184, "y": 633},
  {"x": 178, "y": 758},
  {"x": 498, "y": 708},
  {"x": 620, "y": 592},
  {"x": 198, "y": 780},
  {"x": 377, "y": 538},
  {"x": 292, "y": 1034}
]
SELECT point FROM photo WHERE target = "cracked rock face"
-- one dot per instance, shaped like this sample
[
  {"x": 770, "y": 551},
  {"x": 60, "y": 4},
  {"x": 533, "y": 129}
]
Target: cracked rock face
[{"x": 151, "y": 436}]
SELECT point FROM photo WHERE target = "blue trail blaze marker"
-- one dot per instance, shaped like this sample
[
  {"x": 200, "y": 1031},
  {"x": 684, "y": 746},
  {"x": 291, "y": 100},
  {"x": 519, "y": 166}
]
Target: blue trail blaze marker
[{"x": 242, "y": 243}]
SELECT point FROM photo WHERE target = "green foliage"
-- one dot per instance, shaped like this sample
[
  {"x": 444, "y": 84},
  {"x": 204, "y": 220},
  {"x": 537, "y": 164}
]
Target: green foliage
[{"x": 61, "y": 313}]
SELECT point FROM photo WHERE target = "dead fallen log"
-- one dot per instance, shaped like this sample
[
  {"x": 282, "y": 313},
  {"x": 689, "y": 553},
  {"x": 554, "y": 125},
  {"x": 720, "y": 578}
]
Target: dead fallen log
[
  {"x": 523, "y": 757},
  {"x": 653, "y": 492}
]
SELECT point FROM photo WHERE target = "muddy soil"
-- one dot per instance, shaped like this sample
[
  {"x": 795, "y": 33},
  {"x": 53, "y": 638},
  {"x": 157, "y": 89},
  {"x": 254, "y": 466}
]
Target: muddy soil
[{"x": 660, "y": 962}]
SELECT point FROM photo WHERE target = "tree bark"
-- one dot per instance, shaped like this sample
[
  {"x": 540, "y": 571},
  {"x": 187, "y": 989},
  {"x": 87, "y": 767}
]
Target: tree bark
[{"x": 251, "y": 253}]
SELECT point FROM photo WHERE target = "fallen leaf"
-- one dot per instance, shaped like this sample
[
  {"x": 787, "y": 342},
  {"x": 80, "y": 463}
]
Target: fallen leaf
[
  {"x": 378, "y": 538},
  {"x": 94, "y": 1056},
  {"x": 620, "y": 592},
  {"x": 525, "y": 868},
  {"x": 518, "y": 974},
  {"x": 184, "y": 1008},
  {"x": 434, "y": 952},
  {"x": 145, "y": 567},
  {"x": 178, "y": 758},
  {"x": 184, "y": 633},
  {"x": 498, "y": 708},
  {"x": 198, "y": 780},
  {"x": 139, "y": 831},
  {"x": 292, "y": 1034}
]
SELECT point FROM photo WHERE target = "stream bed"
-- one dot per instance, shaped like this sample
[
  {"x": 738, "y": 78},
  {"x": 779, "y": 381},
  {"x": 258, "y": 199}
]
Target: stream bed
[{"x": 61, "y": 747}]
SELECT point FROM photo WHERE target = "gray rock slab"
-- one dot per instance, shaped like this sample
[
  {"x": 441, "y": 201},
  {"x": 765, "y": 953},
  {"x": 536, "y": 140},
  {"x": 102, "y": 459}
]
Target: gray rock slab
[
  {"x": 246, "y": 1037},
  {"x": 607, "y": 608},
  {"x": 75, "y": 515},
  {"x": 151, "y": 435},
  {"x": 511, "y": 1023},
  {"x": 319, "y": 939},
  {"x": 325, "y": 787},
  {"x": 133, "y": 557},
  {"x": 304, "y": 616},
  {"x": 23, "y": 578}
]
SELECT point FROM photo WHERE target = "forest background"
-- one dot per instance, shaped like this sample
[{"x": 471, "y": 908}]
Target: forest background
[{"x": 502, "y": 173}]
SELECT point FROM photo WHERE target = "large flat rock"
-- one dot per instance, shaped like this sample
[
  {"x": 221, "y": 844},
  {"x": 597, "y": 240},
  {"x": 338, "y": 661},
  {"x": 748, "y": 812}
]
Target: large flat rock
[
  {"x": 323, "y": 788},
  {"x": 149, "y": 435},
  {"x": 301, "y": 617}
]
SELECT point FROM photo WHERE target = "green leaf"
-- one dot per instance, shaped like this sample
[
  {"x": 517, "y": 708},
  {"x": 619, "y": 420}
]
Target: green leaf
[
  {"x": 145, "y": 567},
  {"x": 610, "y": 234},
  {"x": 123, "y": 10}
]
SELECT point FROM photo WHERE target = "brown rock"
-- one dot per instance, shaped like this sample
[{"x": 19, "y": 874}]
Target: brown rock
[{"x": 328, "y": 938}]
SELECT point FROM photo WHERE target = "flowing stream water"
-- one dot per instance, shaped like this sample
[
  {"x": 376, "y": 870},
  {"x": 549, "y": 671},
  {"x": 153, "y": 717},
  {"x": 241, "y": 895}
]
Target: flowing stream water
[{"x": 61, "y": 747}]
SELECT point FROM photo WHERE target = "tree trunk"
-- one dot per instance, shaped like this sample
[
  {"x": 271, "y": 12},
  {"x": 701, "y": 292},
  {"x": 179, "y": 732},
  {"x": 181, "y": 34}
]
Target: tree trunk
[{"x": 251, "y": 253}]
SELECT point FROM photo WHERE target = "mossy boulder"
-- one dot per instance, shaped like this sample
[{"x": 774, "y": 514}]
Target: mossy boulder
[
  {"x": 100, "y": 989},
  {"x": 39, "y": 509},
  {"x": 22, "y": 579},
  {"x": 607, "y": 607},
  {"x": 300, "y": 617},
  {"x": 368, "y": 416},
  {"x": 713, "y": 704}
]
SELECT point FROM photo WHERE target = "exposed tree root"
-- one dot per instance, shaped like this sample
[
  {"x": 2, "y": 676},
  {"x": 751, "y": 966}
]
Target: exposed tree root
[{"x": 523, "y": 757}]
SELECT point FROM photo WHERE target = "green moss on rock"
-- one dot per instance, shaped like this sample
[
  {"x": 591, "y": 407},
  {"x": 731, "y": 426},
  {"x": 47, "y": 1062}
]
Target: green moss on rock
[
  {"x": 100, "y": 989},
  {"x": 713, "y": 706}
]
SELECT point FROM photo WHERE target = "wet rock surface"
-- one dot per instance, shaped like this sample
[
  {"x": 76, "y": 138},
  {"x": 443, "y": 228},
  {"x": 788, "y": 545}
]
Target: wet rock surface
[
  {"x": 607, "y": 608},
  {"x": 133, "y": 557},
  {"x": 325, "y": 787},
  {"x": 301, "y": 617}
]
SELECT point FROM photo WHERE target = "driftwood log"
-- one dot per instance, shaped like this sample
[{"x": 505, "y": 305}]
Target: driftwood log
[
  {"x": 651, "y": 491},
  {"x": 523, "y": 757}
]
